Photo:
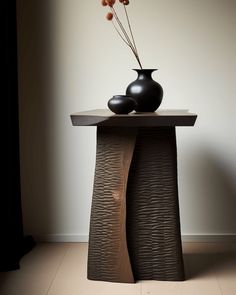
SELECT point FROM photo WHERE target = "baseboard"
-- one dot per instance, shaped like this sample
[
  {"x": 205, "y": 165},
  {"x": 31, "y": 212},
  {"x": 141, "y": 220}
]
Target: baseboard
[
  {"x": 186, "y": 238},
  {"x": 208, "y": 238},
  {"x": 62, "y": 238}
]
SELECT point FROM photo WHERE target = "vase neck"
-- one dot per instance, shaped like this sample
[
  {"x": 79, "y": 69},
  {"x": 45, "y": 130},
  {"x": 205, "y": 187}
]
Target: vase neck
[{"x": 144, "y": 73}]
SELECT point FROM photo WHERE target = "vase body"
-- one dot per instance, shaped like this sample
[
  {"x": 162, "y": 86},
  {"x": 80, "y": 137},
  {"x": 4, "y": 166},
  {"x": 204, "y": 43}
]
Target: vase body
[{"x": 146, "y": 92}]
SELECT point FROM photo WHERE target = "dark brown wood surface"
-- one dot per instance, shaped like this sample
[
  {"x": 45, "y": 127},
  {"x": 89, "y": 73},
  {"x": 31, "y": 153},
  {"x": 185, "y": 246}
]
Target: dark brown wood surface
[
  {"x": 158, "y": 118},
  {"x": 153, "y": 226},
  {"x": 108, "y": 257},
  {"x": 134, "y": 224}
]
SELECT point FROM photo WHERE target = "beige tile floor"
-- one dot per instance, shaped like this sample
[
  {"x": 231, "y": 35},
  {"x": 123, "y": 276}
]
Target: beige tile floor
[{"x": 60, "y": 269}]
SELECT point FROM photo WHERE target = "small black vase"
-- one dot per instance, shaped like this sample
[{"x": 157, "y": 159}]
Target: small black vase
[
  {"x": 145, "y": 91},
  {"x": 121, "y": 104}
]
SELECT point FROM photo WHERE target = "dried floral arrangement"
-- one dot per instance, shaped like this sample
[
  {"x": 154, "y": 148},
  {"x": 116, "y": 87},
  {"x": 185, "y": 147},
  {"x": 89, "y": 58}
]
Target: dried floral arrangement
[{"x": 125, "y": 34}]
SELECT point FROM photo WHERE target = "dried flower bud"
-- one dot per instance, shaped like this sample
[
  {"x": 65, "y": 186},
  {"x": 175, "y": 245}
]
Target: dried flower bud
[
  {"x": 104, "y": 3},
  {"x": 126, "y": 2},
  {"x": 109, "y": 16},
  {"x": 110, "y": 2}
]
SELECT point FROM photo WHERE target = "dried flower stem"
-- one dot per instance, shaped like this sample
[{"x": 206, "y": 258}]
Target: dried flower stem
[
  {"x": 135, "y": 53},
  {"x": 122, "y": 27},
  {"x": 126, "y": 38},
  {"x": 120, "y": 34},
  {"x": 130, "y": 29}
]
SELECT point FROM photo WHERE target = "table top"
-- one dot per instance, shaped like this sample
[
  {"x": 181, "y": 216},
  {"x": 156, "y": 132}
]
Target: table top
[{"x": 159, "y": 118}]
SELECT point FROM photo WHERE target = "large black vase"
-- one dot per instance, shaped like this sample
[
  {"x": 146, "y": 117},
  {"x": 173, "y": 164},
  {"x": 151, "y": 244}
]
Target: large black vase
[{"x": 145, "y": 91}]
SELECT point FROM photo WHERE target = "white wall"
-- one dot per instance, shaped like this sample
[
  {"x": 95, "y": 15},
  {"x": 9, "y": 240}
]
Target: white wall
[{"x": 71, "y": 60}]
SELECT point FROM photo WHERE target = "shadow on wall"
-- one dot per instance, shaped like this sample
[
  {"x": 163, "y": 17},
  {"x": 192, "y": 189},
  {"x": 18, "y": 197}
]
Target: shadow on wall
[
  {"x": 36, "y": 90},
  {"x": 214, "y": 185}
]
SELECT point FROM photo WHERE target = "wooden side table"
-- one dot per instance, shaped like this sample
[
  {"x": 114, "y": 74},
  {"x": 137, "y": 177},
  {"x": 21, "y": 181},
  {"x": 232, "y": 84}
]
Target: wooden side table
[{"x": 134, "y": 225}]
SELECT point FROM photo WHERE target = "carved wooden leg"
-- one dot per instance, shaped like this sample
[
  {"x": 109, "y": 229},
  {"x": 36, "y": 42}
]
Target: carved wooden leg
[
  {"x": 153, "y": 229},
  {"x": 108, "y": 258},
  {"x": 152, "y": 221}
]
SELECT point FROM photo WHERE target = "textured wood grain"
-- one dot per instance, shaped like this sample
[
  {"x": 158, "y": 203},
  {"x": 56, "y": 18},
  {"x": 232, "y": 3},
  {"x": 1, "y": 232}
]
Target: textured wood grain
[
  {"x": 153, "y": 230},
  {"x": 108, "y": 257},
  {"x": 134, "y": 226}
]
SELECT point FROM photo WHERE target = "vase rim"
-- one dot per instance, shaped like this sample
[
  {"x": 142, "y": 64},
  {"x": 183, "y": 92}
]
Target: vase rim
[
  {"x": 121, "y": 95},
  {"x": 145, "y": 69}
]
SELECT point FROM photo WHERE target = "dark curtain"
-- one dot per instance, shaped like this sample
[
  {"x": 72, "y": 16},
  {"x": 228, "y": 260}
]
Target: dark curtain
[{"x": 13, "y": 243}]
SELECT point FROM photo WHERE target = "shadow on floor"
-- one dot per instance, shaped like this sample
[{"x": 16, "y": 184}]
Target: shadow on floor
[{"x": 200, "y": 264}]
